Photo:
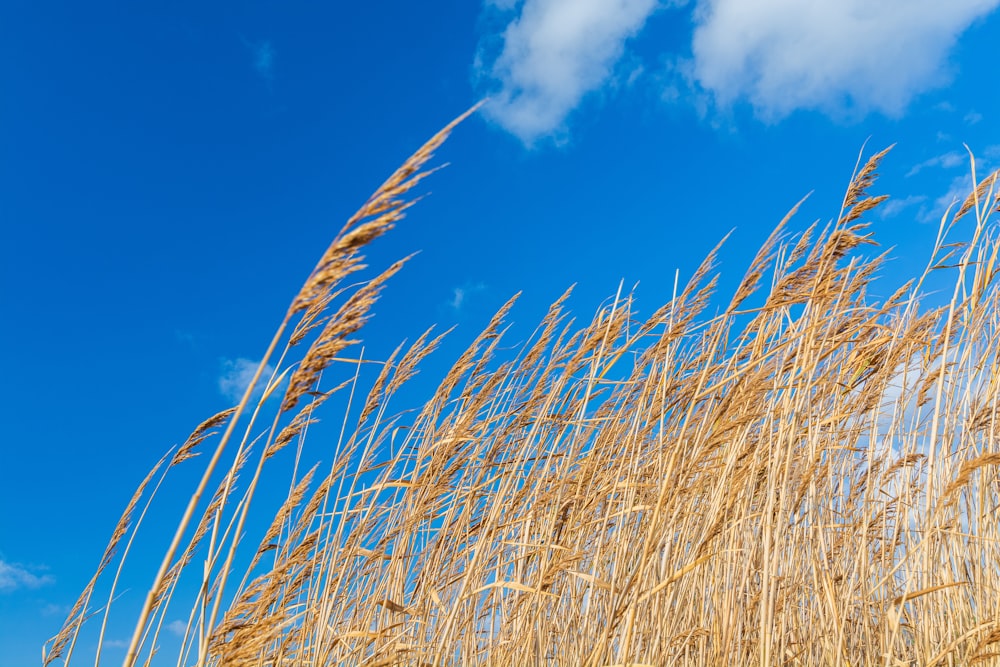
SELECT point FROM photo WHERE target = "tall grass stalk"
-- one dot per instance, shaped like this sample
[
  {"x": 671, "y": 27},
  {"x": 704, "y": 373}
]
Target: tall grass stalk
[{"x": 808, "y": 477}]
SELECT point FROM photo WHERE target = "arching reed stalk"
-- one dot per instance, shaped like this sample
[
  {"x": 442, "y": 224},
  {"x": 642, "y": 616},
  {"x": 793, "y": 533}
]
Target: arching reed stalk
[{"x": 808, "y": 478}]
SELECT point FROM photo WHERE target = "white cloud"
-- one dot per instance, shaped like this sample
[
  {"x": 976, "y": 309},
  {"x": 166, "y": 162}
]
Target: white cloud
[
  {"x": 263, "y": 59},
  {"x": 973, "y": 117},
  {"x": 185, "y": 338},
  {"x": 844, "y": 57},
  {"x": 553, "y": 54},
  {"x": 957, "y": 183},
  {"x": 946, "y": 161},
  {"x": 458, "y": 298},
  {"x": 460, "y": 295},
  {"x": 52, "y": 609},
  {"x": 116, "y": 643},
  {"x": 960, "y": 188},
  {"x": 236, "y": 377},
  {"x": 894, "y": 207},
  {"x": 14, "y": 576},
  {"x": 177, "y": 627}
]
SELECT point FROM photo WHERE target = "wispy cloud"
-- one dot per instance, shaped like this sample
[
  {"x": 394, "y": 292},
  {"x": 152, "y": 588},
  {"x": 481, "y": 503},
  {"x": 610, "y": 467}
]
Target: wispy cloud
[
  {"x": 262, "y": 57},
  {"x": 972, "y": 118},
  {"x": 177, "y": 627},
  {"x": 894, "y": 207},
  {"x": 185, "y": 338},
  {"x": 263, "y": 60},
  {"x": 845, "y": 58},
  {"x": 551, "y": 55},
  {"x": 960, "y": 183},
  {"x": 460, "y": 295},
  {"x": 236, "y": 376},
  {"x": 53, "y": 609},
  {"x": 116, "y": 643},
  {"x": 948, "y": 160},
  {"x": 960, "y": 188},
  {"x": 15, "y": 576}
]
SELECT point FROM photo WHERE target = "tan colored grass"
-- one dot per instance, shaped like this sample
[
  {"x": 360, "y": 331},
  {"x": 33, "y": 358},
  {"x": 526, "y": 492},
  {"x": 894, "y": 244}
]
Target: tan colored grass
[{"x": 808, "y": 478}]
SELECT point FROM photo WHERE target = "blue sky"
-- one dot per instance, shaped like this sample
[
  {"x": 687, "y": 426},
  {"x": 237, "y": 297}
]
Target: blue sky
[{"x": 170, "y": 171}]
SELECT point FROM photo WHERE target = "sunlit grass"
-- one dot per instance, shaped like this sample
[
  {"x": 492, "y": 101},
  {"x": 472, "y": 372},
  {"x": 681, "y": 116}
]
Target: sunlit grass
[{"x": 808, "y": 477}]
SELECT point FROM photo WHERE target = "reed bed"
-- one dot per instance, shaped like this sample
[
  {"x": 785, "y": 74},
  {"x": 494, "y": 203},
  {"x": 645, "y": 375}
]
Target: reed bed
[{"x": 809, "y": 476}]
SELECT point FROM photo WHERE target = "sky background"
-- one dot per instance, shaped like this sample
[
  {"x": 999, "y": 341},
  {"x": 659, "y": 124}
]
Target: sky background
[{"x": 171, "y": 171}]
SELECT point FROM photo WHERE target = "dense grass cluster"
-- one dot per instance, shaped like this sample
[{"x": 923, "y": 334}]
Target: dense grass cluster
[{"x": 808, "y": 477}]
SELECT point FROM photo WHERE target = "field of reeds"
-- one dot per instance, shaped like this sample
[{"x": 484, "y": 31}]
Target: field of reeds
[{"x": 800, "y": 474}]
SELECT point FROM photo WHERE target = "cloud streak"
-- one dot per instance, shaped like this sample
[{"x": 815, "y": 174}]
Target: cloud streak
[
  {"x": 263, "y": 60},
  {"x": 177, "y": 627},
  {"x": 894, "y": 207},
  {"x": 460, "y": 295},
  {"x": 14, "y": 576},
  {"x": 946, "y": 161},
  {"x": 262, "y": 56},
  {"x": 236, "y": 376},
  {"x": 961, "y": 184}
]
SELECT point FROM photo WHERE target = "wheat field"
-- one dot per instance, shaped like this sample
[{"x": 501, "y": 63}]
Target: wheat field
[{"x": 799, "y": 473}]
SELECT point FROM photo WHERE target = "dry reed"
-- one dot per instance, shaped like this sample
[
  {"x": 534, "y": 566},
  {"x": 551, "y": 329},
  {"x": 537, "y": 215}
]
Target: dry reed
[{"x": 808, "y": 478}]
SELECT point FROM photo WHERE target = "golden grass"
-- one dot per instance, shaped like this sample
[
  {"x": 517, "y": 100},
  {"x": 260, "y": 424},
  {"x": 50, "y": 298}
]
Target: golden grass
[{"x": 808, "y": 478}]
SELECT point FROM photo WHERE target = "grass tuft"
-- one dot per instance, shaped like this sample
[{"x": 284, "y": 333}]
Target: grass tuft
[{"x": 808, "y": 478}]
